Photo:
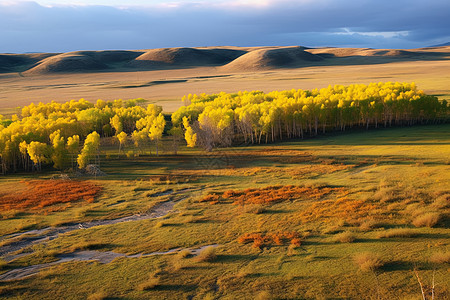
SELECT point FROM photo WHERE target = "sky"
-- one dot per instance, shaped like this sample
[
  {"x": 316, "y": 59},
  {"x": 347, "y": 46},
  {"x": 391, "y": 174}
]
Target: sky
[{"x": 71, "y": 25}]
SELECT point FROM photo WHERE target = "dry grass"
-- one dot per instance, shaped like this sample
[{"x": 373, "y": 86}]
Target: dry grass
[
  {"x": 440, "y": 257},
  {"x": 152, "y": 282},
  {"x": 344, "y": 237},
  {"x": 263, "y": 295},
  {"x": 368, "y": 261},
  {"x": 260, "y": 240},
  {"x": 343, "y": 208},
  {"x": 208, "y": 254},
  {"x": 369, "y": 224},
  {"x": 397, "y": 232},
  {"x": 254, "y": 209},
  {"x": 42, "y": 193},
  {"x": 428, "y": 220},
  {"x": 268, "y": 195},
  {"x": 442, "y": 201}
]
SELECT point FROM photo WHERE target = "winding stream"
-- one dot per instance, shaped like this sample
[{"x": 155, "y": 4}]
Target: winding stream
[{"x": 34, "y": 237}]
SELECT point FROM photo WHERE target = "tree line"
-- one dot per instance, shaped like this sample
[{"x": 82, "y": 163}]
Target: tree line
[
  {"x": 68, "y": 135},
  {"x": 256, "y": 117}
]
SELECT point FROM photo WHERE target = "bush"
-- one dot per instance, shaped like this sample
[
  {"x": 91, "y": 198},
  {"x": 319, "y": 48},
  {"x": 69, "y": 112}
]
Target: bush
[
  {"x": 397, "y": 232},
  {"x": 428, "y": 220},
  {"x": 208, "y": 254},
  {"x": 368, "y": 261},
  {"x": 440, "y": 257},
  {"x": 344, "y": 237}
]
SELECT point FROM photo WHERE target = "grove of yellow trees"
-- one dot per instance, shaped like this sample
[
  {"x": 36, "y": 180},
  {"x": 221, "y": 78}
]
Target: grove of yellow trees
[
  {"x": 54, "y": 132},
  {"x": 68, "y": 135},
  {"x": 255, "y": 117}
]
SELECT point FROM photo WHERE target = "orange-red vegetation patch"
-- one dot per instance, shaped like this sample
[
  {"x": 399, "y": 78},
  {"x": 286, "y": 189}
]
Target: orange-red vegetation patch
[
  {"x": 260, "y": 240},
  {"x": 342, "y": 208},
  {"x": 268, "y": 195},
  {"x": 42, "y": 193}
]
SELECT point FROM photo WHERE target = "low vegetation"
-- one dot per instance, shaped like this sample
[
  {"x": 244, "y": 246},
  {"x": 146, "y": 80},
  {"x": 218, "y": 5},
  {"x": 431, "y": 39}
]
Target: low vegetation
[
  {"x": 368, "y": 261},
  {"x": 38, "y": 194}
]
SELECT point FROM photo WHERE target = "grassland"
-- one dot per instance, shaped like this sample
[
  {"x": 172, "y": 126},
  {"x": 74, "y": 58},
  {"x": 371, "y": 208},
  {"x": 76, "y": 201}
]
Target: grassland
[{"x": 337, "y": 217}]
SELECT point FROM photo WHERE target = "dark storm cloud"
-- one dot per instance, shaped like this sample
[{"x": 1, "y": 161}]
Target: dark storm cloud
[{"x": 28, "y": 26}]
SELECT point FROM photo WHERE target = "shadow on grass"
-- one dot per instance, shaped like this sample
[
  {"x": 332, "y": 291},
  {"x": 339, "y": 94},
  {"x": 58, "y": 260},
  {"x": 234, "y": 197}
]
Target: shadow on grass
[
  {"x": 174, "y": 287},
  {"x": 224, "y": 258},
  {"x": 398, "y": 265}
]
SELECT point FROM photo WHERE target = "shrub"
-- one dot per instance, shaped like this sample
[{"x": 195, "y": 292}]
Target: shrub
[
  {"x": 150, "y": 283},
  {"x": 440, "y": 257},
  {"x": 344, "y": 237},
  {"x": 368, "y": 261},
  {"x": 428, "y": 220},
  {"x": 208, "y": 254},
  {"x": 397, "y": 232}
]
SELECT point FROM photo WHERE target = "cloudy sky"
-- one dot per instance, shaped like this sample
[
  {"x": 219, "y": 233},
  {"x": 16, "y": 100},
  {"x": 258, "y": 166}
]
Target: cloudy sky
[{"x": 68, "y": 25}]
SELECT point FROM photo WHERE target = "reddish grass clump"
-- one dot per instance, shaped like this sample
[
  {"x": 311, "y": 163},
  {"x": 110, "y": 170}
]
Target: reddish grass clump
[
  {"x": 279, "y": 238},
  {"x": 42, "y": 193},
  {"x": 268, "y": 195}
]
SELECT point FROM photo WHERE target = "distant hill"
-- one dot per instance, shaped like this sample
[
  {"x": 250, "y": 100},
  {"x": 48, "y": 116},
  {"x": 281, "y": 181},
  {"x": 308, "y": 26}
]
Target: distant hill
[
  {"x": 232, "y": 59},
  {"x": 442, "y": 45}
]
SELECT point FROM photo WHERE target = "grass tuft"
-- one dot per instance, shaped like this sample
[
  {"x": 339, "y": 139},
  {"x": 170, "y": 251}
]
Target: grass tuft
[
  {"x": 368, "y": 261},
  {"x": 208, "y": 254},
  {"x": 397, "y": 232},
  {"x": 427, "y": 220},
  {"x": 344, "y": 237},
  {"x": 152, "y": 282}
]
